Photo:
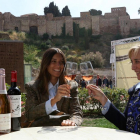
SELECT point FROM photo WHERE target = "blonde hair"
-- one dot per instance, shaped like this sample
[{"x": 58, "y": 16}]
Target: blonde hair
[{"x": 134, "y": 50}]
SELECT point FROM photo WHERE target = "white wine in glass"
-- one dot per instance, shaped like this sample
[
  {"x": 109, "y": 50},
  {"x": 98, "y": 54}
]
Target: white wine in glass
[
  {"x": 86, "y": 70},
  {"x": 71, "y": 71}
]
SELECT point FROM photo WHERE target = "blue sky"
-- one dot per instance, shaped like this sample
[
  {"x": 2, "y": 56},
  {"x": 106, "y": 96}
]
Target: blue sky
[{"x": 21, "y": 7}]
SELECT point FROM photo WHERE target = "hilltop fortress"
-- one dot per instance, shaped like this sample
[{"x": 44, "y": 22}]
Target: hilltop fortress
[{"x": 118, "y": 21}]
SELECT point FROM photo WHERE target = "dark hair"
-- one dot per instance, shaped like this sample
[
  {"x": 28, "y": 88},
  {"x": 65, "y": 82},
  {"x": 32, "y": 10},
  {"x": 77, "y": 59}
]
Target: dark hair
[{"x": 44, "y": 76}]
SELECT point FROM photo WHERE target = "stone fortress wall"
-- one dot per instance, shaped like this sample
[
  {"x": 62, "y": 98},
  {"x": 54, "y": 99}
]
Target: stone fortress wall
[{"x": 118, "y": 21}]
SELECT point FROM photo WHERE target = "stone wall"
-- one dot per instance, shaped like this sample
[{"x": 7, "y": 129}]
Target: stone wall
[
  {"x": 95, "y": 25},
  {"x": 109, "y": 25},
  {"x": 121, "y": 11},
  {"x": 135, "y": 24},
  {"x": 69, "y": 26},
  {"x": 124, "y": 23},
  {"x": 118, "y": 21}
]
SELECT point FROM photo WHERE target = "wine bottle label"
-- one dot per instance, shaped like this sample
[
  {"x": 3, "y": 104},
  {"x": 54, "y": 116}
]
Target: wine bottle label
[
  {"x": 15, "y": 102},
  {"x": 5, "y": 121},
  {"x": 3, "y": 92}
]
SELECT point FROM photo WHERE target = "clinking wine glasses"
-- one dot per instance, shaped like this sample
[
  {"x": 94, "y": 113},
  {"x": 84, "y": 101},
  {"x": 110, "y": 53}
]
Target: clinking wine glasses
[
  {"x": 71, "y": 71},
  {"x": 86, "y": 70}
]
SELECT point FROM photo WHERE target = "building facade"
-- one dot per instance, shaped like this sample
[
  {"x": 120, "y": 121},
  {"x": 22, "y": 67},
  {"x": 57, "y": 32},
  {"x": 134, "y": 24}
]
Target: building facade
[{"x": 118, "y": 21}]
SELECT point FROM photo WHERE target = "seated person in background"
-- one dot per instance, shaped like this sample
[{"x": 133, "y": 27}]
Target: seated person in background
[
  {"x": 46, "y": 94},
  {"x": 130, "y": 119}
]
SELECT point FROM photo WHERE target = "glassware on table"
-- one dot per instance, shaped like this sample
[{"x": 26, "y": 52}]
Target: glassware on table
[
  {"x": 71, "y": 71},
  {"x": 86, "y": 70}
]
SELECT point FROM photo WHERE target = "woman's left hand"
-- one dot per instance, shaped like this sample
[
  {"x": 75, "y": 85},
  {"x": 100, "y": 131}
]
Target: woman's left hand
[{"x": 67, "y": 123}]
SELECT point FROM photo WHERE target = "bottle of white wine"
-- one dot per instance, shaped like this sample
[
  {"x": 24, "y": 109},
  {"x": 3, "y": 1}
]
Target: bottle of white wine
[{"x": 5, "y": 115}]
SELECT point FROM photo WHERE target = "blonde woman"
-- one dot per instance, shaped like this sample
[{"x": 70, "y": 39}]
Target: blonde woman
[{"x": 130, "y": 119}]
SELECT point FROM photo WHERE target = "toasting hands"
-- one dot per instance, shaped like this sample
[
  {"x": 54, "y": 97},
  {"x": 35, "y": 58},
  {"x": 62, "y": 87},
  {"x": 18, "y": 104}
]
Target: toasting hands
[
  {"x": 97, "y": 93},
  {"x": 63, "y": 90}
]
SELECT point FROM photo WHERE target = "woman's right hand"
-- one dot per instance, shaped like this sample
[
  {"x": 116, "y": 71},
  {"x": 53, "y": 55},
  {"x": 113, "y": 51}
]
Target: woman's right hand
[
  {"x": 97, "y": 93},
  {"x": 63, "y": 90}
]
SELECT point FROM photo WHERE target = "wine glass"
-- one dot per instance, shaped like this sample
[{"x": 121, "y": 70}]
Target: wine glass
[
  {"x": 71, "y": 71},
  {"x": 86, "y": 71}
]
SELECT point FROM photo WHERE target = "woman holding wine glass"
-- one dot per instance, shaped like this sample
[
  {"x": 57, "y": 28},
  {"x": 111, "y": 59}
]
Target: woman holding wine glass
[{"x": 46, "y": 94}]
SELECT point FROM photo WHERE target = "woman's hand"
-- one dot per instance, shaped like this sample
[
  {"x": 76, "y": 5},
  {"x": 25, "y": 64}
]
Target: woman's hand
[
  {"x": 63, "y": 90},
  {"x": 97, "y": 93},
  {"x": 67, "y": 123}
]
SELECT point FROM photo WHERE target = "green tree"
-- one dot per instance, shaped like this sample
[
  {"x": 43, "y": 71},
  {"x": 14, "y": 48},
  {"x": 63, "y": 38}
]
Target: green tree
[
  {"x": 30, "y": 53},
  {"x": 46, "y": 9},
  {"x": 57, "y": 13},
  {"x": 95, "y": 12},
  {"x": 95, "y": 58},
  {"x": 63, "y": 34},
  {"x": 66, "y": 11},
  {"x": 45, "y": 36},
  {"x": 52, "y": 9},
  {"x": 86, "y": 40},
  {"x": 76, "y": 32}
]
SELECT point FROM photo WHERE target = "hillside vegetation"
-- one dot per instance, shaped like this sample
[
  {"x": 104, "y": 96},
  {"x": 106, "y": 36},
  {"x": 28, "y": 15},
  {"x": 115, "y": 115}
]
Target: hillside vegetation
[{"x": 96, "y": 49}]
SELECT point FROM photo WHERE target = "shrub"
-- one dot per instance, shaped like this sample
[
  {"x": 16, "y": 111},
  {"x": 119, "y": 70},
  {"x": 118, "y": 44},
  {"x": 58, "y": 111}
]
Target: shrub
[
  {"x": 88, "y": 104},
  {"x": 57, "y": 44},
  {"x": 23, "y": 100},
  {"x": 10, "y": 31},
  {"x": 95, "y": 38},
  {"x": 95, "y": 58},
  {"x": 48, "y": 42},
  {"x": 118, "y": 97},
  {"x": 118, "y": 36},
  {"x": 65, "y": 48},
  {"x": 45, "y": 45},
  {"x": 45, "y": 36}
]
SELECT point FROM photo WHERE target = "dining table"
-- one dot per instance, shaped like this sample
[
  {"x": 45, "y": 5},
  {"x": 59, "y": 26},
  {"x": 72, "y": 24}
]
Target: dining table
[{"x": 69, "y": 133}]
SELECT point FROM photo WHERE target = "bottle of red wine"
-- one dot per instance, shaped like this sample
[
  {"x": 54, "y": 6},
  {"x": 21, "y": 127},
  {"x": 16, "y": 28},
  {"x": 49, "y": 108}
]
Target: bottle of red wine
[
  {"x": 14, "y": 95},
  {"x": 5, "y": 114}
]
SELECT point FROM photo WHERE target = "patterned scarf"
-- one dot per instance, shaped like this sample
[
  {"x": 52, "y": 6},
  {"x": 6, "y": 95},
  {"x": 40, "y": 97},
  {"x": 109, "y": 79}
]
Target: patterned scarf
[{"x": 133, "y": 114}]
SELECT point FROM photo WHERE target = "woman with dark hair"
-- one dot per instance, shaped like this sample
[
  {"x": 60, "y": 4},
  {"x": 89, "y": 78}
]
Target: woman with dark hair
[{"x": 46, "y": 95}]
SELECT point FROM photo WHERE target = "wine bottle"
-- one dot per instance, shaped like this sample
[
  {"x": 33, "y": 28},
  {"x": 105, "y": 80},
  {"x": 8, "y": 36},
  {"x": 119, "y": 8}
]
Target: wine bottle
[
  {"x": 5, "y": 115},
  {"x": 15, "y": 101}
]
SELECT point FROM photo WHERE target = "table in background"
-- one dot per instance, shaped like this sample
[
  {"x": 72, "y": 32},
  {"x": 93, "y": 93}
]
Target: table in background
[{"x": 69, "y": 133}]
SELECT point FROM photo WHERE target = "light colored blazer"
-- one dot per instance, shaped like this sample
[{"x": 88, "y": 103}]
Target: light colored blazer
[{"x": 35, "y": 106}]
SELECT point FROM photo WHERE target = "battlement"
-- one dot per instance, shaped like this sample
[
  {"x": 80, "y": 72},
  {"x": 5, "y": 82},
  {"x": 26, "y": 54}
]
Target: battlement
[
  {"x": 117, "y": 21},
  {"x": 85, "y": 15},
  {"x": 121, "y": 11},
  {"x": 27, "y": 15}
]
